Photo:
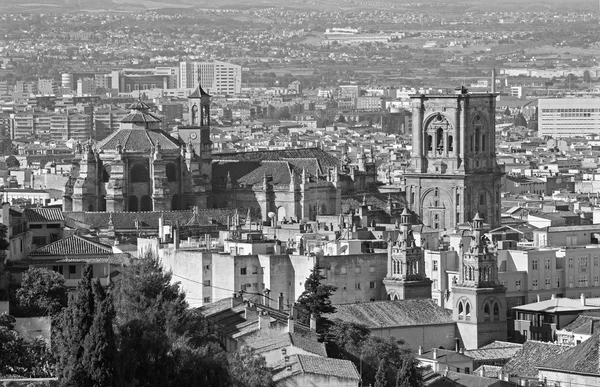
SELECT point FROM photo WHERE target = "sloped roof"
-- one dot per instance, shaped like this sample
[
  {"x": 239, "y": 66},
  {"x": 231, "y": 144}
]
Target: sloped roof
[
  {"x": 198, "y": 93},
  {"x": 583, "y": 325},
  {"x": 138, "y": 139},
  {"x": 583, "y": 358},
  {"x": 560, "y": 304},
  {"x": 324, "y": 159},
  {"x": 382, "y": 314},
  {"x": 279, "y": 171},
  {"x": 40, "y": 215},
  {"x": 534, "y": 354},
  {"x": 73, "y": 245},
  {"x": 317, "y": 365},
  {"x": 140, "y": 114},
  {"x": 265, "y": 343},
  {"x": 495, "y": 350}
]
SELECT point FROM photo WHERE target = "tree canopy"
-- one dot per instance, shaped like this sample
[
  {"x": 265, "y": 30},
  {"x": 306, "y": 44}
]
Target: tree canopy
[{"x": 42, "y": 291}]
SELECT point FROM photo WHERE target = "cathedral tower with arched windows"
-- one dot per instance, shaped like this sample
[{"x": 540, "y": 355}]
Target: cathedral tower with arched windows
[
  {"x": 406, "y": 277},
  {"x": 479, "y": 300},
  {"x": 453, "y": 173}
]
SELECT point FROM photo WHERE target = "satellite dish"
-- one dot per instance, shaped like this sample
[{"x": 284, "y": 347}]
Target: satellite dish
[
  {"x": 343, "y": 249},
  {"x": 271, "y": 215},
  {"x": 318, "y": 252}
]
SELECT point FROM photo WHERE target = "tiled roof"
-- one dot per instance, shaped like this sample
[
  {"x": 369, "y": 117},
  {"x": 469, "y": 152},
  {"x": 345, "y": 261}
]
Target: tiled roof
[
  {"x": 375, "y": 200},
  {"x": 140, "y": 117},
  {"x": 583, "y": 358},
  {"x": 488, "y": 371},
  {"x": 560, "y": 304},
  {"x": 265, "y": 343},
  {"x": 279, "y": 171},
  {"x": 583, "y": 325},
  {"x": 306, "y": 364},
  {"x": 382, "y": 314},
  {"x": 467, "y": 380},
  {"x": 495, "y": 350},
  {"x": 137, "y": 140},
  {"x": 533, "y": 355},
  {"x": 324, "y": 159},
  {"x": 149, "y": 220},
  {"x": 35, "y": 215},
  {"x": 73, "y": 245},
  {"x": 198, "y": 93}
]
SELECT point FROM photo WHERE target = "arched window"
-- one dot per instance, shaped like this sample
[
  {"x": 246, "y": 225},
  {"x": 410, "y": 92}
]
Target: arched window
[
  {"x": 440, "y": 140},
  {"x": 483, "y": 142},
  {"x": 496, "y": 311},
  {"x": 467, "y": 310},
  {"x": 482, "y": 199},
  {"x": 139, "y": 174},
  {"x": 429, "y": 143},
  {"x": 477, "y": 137},
  {"x": 106, "y": 173},
  {"x": 102, "y": 203},
  {"x": 171, "y": 172},
  {"x": 133, "y": 204},
  {"x": 461, "y": 311},
  {"x": 412, "y": 198},
  {"x": 486, "y": 312},
  {"x": 194, "y": 115},
  {"x": 146, "y": 203},
  {"x": 91, "y": 208},
  {"x": 450, "y": 144}
]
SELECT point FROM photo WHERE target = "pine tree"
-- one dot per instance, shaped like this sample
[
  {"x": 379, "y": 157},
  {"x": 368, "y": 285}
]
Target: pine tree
[
  {"x": 99, "y": 347},
  {"x": 316, "y": 298},
  {"x": 380, "y": 376},
  {"x": 74, "y": 324}
]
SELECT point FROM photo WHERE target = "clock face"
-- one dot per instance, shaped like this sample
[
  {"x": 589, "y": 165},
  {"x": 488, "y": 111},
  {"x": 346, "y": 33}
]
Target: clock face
[{"x": 193, "y": 136}]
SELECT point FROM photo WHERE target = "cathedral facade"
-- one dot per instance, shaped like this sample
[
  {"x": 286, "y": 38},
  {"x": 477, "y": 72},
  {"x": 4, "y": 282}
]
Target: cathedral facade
[
  {"x": 453, "y": 173},
  {"x": 142, "y": 168}
]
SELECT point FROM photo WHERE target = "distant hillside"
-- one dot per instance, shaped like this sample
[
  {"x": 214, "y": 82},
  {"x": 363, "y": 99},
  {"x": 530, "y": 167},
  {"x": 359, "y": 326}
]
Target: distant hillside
[{"x": 7, "y": 6}]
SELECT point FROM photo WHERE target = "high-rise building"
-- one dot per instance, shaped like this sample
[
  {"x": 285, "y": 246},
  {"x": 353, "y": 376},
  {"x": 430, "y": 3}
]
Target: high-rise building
[
  {"x": 86, "y": 86},
  {"x": 107, "y": 121},
  {"x": 47, "y": 87},
  {"x": 453, "y": 173},
  {"x": 65, "y": 126},
  {"x": 568, "y": 117},
  {"x": 130, "y": 80},
  {"x": 215, "y": 77}
]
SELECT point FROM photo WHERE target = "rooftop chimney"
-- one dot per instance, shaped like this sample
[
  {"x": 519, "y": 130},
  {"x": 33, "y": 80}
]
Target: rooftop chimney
[
  {"x": 290, "y": 324},
  {"x": 553, "y": 297},
  {"x": 493, "y": 81},
  {"x": 280, "y": 301},
  {"x": 434, "y": 355},
  {"x": 313, "y": 323},
  {"x": 264, "y": 320},
  {"x": 420, "y": 350},
  {"x": 582, "y": 299},
  {"x": 457, "y": 345},
  {"x": 538, "y": 298}
]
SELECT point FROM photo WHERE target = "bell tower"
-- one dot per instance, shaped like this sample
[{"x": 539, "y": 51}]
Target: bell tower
[
  {"x": 479, "y": 299},
  {"x": 453, "y": 173},
  {"x": 406, "y": 277}
]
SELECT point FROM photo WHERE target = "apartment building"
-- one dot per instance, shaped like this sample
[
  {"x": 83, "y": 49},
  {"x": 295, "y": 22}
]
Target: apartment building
[
  {"x": 215, "y": 77},
  {"x": 568, "y": 117}
]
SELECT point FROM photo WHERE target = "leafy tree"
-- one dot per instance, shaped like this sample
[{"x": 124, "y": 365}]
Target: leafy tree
[
  {"x": 341, "y": 118},
  {"x": 354, "y": 342},
  {"x": 42, "y": 291},
  {"x": 380, "y": 378},
  {"x": 507, "y": 112},
  {"x": 316, "y": 298},
  {"x": 248, "y": 369},
  {"x": 12, "y": 162}
]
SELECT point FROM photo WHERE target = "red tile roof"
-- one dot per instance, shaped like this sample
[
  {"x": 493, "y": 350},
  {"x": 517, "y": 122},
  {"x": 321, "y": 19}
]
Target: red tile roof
[
  {"x": 583, "y": 358},
  {"x": 42, "y": 215},
  {"x": 74, "y": 245},
  {"x": 307, "y": 364},
  {"x": 534, "y": 354}
]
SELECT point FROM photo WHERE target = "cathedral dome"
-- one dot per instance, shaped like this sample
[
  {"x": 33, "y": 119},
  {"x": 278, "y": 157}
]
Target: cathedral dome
[{"x": 139, "y": 132}]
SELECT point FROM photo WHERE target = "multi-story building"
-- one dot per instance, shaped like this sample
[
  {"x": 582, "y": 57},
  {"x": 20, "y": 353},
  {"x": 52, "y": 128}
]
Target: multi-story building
[
  {"x": 568, "y": 117},
  {"x": 47, "y": 86},
  {"x": 130, "y": 80},
  {"x": 106, "y": 121},
  {"x": 86, "y": 86},
  {"x": 65, "y": 126},
  {"x": 215, "y": 77}
]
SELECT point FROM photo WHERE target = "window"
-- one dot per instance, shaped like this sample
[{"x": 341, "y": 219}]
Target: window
[
  {"x": 139, "y": 174},
  {"x": 435, "y": 284},
  {"x": 547, "y": 263},
  {"x": 596, "y": 261},
  {"x": 206, "y": 299},
  {"x": 357, "y": 286},
  {"x": 583, "y": 262},
  {"x": 240, "y": 251},
  {"x": 38, "y": 240},
  {"x": 372, "y": 285},
  {"x": 243, "y": 271},
  {"x": 558, "y": 282},
  {"x": 343, "y": 270},
  {"x": 534, "y": 264},
  {"x": 357, "y": 270},
  {"x": 534, "y": 284},
  {"x": 207, "y": 267},
  {"x": 58, "y": 269},
  {"x": 372, "y": 269},
  {"x": 518, "y": 284},
  {"x": 207, "y": 283},
  {"x": 571, "y": 262},
  {"x": 72, "y": 269},
  {"x": 35, "y": 226},
  {"x": 582, "y": 281},
  {"x": 548, "y": 283},
  {"x": 596, "y": 280},
  {"x": 435, "y": 266}
]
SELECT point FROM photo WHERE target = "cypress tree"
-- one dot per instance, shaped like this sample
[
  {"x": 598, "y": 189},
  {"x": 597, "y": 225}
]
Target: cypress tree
[
  {"x": 99, "y": 346},
  {"x": 380, "y": 376}
]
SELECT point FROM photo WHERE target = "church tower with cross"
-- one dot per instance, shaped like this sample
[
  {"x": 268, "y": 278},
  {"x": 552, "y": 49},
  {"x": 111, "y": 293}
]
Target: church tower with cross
[
  {"x": 453, "y": 173},
  {"x": 406, "y": 277},
  {"x": 479, "y": 300}
]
